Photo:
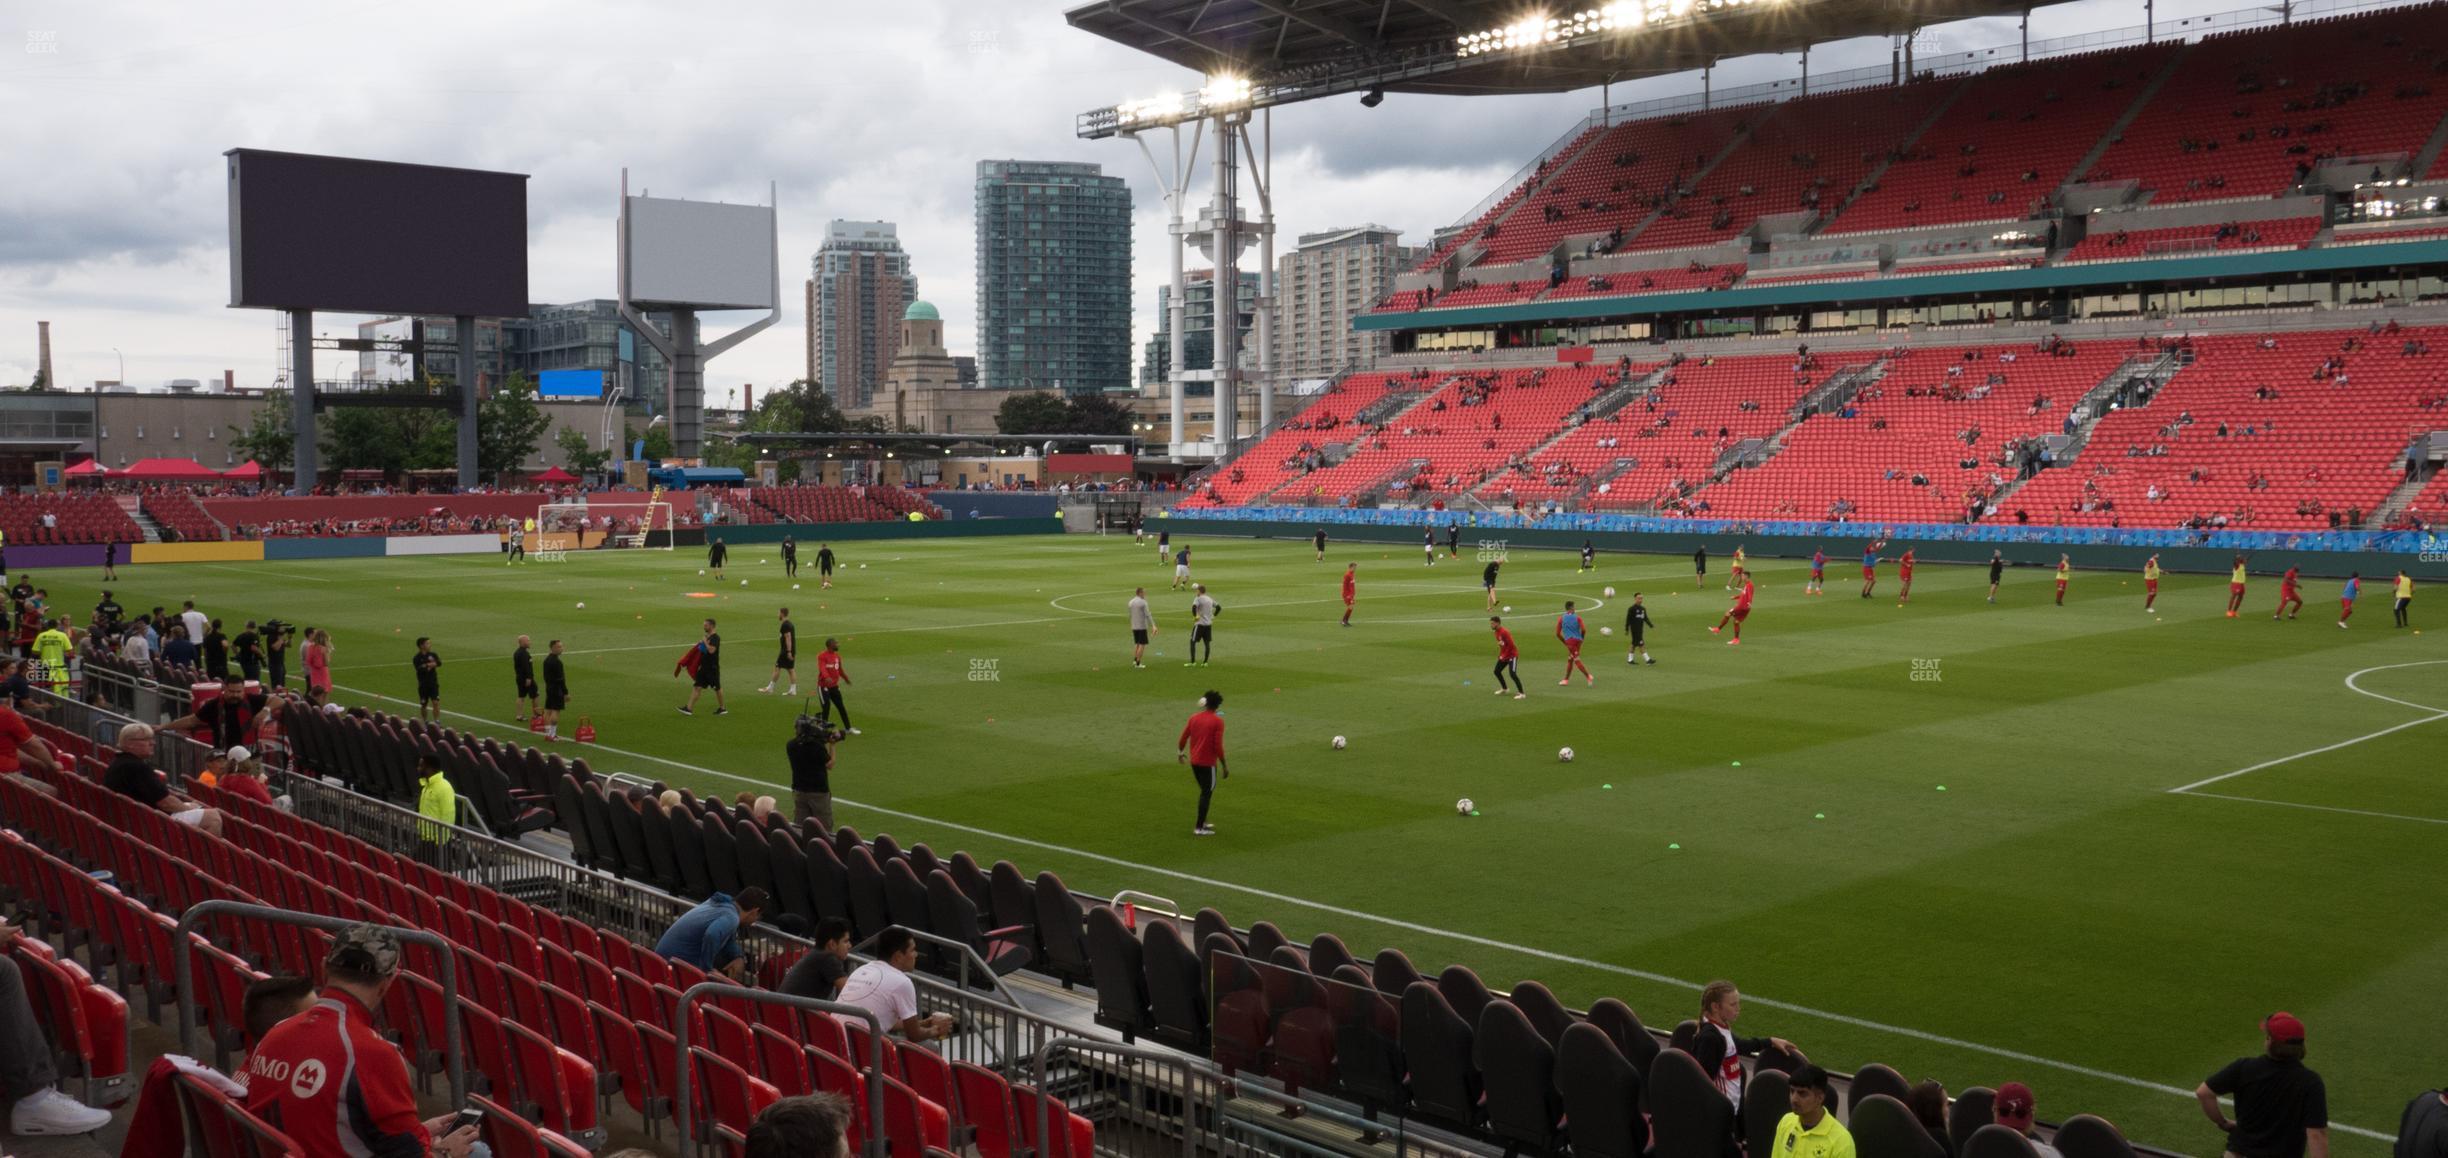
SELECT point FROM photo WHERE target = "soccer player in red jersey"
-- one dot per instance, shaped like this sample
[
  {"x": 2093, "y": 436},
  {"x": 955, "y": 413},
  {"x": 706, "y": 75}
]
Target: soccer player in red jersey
[
  {"x": 1351, "y": 589},
  {"x": 2346, "y": 597},
  {"x": 2289, "y": 592},
  {"x": 1570, "y": 630},
  {"x": 1508, "y": 658},
  {"x": 1736, "y": 614},
  {"x": 1202, "y": 747},
  {"x": 1818, "y": 575},
  {"x": 1904, "y": 568}
]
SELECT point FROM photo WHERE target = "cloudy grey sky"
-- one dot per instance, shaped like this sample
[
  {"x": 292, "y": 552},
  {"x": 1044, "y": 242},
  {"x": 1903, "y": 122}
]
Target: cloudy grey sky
[{"x": 112, "y": 217}]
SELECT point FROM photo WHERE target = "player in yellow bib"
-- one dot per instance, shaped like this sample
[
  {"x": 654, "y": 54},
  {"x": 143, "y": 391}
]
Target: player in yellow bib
[
  {"x": 52, "y": 648},
  {"x": 2150, "y": 583},
  {"x": 2235, "y": 587},
  {"x": 2405, "y": 598},
  {"x": 2065, "y": 571},
  {"x": 1734, "y": 577}
]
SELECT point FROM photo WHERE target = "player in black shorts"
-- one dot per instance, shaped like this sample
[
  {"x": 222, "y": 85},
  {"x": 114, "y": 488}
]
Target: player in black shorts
[
  {"x": 790, "y": 557},
  {"x": 716, "y": 553},
  {"x": 1319, "y": 541},
  {"x": 428, "y": 668},
  {"x": 1487, "y": 579},
  {"x": 1453, "y": 540},
  {"x": 556, "y": 690},
  {"x": 1589, "y": 556},
  {"x": 1997, "y": 571},
  {"x": 786, "y": 659},
  {"x": 1700, "y": 566},
  {"x": 522, "y": 670},
  {"x": 1636, "y": 625},
  {"x": 824, "y": 563},
  {"x": 709, "y": 673}
]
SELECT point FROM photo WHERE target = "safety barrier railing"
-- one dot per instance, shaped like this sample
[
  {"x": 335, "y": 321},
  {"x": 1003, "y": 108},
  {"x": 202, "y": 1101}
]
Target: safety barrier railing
[
  {"x": 684, "y": 1072},
  {"x": 195, "y": 914}
]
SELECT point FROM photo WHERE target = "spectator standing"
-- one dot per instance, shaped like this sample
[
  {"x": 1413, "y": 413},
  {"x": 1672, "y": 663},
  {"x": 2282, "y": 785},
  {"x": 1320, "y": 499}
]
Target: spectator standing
[
  {"x": 438, "y": 803},
  {"x": 216, "y": 652},
  {"x": 137, "y": 650},
  {"x": 2282, "y": 1107},
  {"x": 1808, "y": 1130},
  {"x": 806, "y": 1126},
  {"x": 708, "y": 936},
  {"x": 556, "y": 689},
  {"x": 2013, "y": 1109},
  {"x": 132, "y": 775},
  {"x": 180, "y": 651},
  {"x": 194, "y": 620},
  {"x": 2423, "y": 1131},
  {"x": 29, "y": 1085},
  {"x": 822, "y": 971},
  {"x": 247, "y": 648},
  {"x": 883, "y": 987},
  {"x": 811, "y": 762},
  {"x": 1715, "y": 1047},
  {"x": 276, "y": 654},
  {"x": 318, "y": 665},
  {"x": 51, "y": 648},
  {"x": 363, "y": 1102}
]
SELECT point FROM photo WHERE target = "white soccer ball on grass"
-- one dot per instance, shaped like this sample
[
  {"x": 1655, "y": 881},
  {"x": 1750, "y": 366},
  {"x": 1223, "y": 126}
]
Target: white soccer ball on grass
[
  {"x": 582, "y": 606},
  {"x": 1564, "y": 754},
  {"x": 1338, "y": 743},
  {"x": 1463, "y": 807},
  {"x": 1606, "y": 631},
  {"x": 1610, "y": 593}
]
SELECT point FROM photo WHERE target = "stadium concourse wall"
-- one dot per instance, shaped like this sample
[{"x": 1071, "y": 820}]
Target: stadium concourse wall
[
  {"x": 744, "y": 535},
  {"x": 2327, "y": 554},
  {"x": 53, "y": 557}
]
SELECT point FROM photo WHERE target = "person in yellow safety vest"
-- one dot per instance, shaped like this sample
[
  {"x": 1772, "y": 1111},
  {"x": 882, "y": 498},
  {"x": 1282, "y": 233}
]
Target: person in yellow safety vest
[
  {"x": 438, "y": 803},
  {"x": 52, "y": 648}
]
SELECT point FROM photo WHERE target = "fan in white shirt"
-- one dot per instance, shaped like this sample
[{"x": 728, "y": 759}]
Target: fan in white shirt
[{"x": 883, "y": 987}]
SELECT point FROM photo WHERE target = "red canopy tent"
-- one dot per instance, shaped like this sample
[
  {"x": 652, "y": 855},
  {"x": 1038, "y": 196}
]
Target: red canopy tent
[
  {"x": 168, "y": 470},
  {"x": 90, "y": 468},
  {"x": 553, "y": 475},
  {"x": 248, "y": 471}
]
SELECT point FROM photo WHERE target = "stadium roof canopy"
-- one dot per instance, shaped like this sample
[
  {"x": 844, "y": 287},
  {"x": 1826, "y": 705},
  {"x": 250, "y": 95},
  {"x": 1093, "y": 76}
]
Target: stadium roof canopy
[{"x": 1291, "y": 50}]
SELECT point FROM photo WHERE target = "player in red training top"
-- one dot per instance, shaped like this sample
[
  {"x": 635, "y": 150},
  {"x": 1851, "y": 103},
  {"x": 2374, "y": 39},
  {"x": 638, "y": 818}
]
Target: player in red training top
[
  {"x": 1736, "y": 614},
  {"x": 1870, "y": 558},
  {"x": 1569, "y": 629},
  {"x": 1351, "y": 589},
  {"x": 2235, "y": 588},
  {"x": 2289, "y": 592},
  {"x": 1508, "y": 658},
  {"x": 830, "y": 679},
  {"x": 1904, "y": 568},
  {"x": 1818, "y": 575}
]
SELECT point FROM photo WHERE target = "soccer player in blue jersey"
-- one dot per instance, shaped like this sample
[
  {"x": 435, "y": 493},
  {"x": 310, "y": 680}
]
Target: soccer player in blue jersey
[{"x": 1568, "y": 628}]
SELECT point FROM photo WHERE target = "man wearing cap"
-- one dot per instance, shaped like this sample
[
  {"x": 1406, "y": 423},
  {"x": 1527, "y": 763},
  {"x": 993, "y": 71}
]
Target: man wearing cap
[
  {"x": 1809, "y": 1130},
  {"x": 2013, "y": 1109},
  {"x": 2282, "y": 1108},
  {"x": 708, "y": 935},
  {"x": 330, "y": 1079}
]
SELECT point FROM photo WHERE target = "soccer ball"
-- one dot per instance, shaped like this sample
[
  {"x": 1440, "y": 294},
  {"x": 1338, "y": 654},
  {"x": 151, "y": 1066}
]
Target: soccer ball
[
  {"x": 701, "y": 570},
  {"x": 743, "y": 583},
  {"x": 862, "y": 566},
  {"x": 582, "y": 607},
  {"x": 794, "y": 587},
  {"x": 1606, "y": 631},
  {"x": 1508, "y": 609},
  {"x": 1564, "y": 754},
  {"x": 1339, "y": 742},
  {"x": 1610, "y": 593},
  {"x": 1463, "y": 806}
]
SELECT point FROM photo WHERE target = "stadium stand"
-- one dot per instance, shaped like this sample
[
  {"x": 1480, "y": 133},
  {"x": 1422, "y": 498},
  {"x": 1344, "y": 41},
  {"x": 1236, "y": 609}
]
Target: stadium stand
[
  {"x": 2110, "y": 244},
  {"x": 838, "y": 504},
  {"x": 177, "y": 510},
  {"x": 1322, "y": 430},
  {"x": 1697, "y": 276},
  {"x": 2286, "y": 433},
  {"x": 1804, "y": 157},
  {"x": 2009, "y": 138},
  {"x": 66, "y": 518},
  {"x": 2251, "y": 113},
  {"x": 1668, "y": 436},
  {"x": 1614, "y": 182}
]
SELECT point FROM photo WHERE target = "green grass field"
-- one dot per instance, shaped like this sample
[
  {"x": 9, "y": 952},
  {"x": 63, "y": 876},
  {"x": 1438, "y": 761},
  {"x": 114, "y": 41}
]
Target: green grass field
[{"x": 1978, "y": 877}]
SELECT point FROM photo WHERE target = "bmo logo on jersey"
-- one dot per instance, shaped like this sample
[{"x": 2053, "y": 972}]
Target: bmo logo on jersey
[{"x": 308, "y": 1080}]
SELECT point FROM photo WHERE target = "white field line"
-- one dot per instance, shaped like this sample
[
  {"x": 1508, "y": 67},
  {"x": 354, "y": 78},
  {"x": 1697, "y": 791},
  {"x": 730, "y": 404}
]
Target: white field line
[
  {"x": 1431, "y": 930},
  {"x": 2432, "y": 715}
]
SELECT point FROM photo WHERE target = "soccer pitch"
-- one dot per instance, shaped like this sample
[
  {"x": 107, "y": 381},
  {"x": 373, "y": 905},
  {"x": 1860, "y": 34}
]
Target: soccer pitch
[{"x": 1940, "y": 836}]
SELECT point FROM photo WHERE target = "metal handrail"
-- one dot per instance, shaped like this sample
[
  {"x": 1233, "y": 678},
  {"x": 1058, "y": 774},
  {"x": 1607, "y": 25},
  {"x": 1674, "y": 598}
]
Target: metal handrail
[
  {"x": 683, "y": 1105},
  {"x": 968, "y": 956},
  {"x": 1165, "y": 907},
  {"x": 185, "y": 935},
  {"x": 1045, "y": 1111}
]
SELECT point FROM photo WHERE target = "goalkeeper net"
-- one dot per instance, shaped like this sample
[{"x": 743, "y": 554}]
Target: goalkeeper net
[{"x": 604, "y": 522}]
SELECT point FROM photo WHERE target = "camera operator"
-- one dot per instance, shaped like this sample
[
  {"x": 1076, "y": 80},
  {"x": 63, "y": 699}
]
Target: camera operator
[{"x": 811, "y": 763}]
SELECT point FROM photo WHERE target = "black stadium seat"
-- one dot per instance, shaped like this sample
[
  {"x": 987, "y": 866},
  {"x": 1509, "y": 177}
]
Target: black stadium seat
[
  {"x": 956, "y": 917},
  {"x": 1767, "y": 1098},
  {"x": 721, "y": 851},
  {"x": 1972, "y": 1109},
  {"x": 1688, "y": 1115},
  {"x": 1622, "y": 1026},
  {"x": 2089, "y": 1136},
  {"x": 688, "y": 848},
  {"x": 1393, "y": 974},
  {"x": 1013, "y": 905},
  {"x": 662, "y": 857},
  {"x": 1176, "y": 997},
  {"x": 1519, "y": 1069},
  {"x": 1061, "y": 926},
  {"x": 1437, "y": 1044},
  {"x": 574, "y": 820},
  {"x": 1368, "y": 1043},
  {"x": 1995, "y": 1141},
  {"x": 1601, "y": 1094},
  {"x": 871, "y": 914},
  {"x": 1877, "y": 1079},
  {"x": 755, "y": 856},
  {"x": 1120, "y": 974},
  {"x": 828, "y": 881},
  {"x": 1263, "y": 939},
  {"x": 790, "y": 873},
  {"x": 1885, "y": 1128},
  {"x": 1464, "y": 991},
  {"x": 1546, "y": 1014},
  {"x": 629, "y": 838},
  {"x": 1327, "y": 953}
]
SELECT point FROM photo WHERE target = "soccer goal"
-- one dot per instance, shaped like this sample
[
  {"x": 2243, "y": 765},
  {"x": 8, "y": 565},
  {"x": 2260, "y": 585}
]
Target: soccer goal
[{"x": 643, "y": 523}]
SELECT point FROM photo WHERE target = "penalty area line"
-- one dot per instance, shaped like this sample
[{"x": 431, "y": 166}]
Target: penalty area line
[{"x": 1422, "y": 929}]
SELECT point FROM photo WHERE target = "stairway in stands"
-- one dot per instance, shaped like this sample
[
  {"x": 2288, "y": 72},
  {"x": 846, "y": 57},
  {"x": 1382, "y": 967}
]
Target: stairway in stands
[{"x": 134, "y": 507}]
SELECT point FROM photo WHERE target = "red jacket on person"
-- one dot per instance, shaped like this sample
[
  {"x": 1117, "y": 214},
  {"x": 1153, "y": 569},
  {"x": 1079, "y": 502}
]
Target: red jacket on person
[
  {"x": 336, "y": 1086},
  {"x": 1204, "y": 737}
]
